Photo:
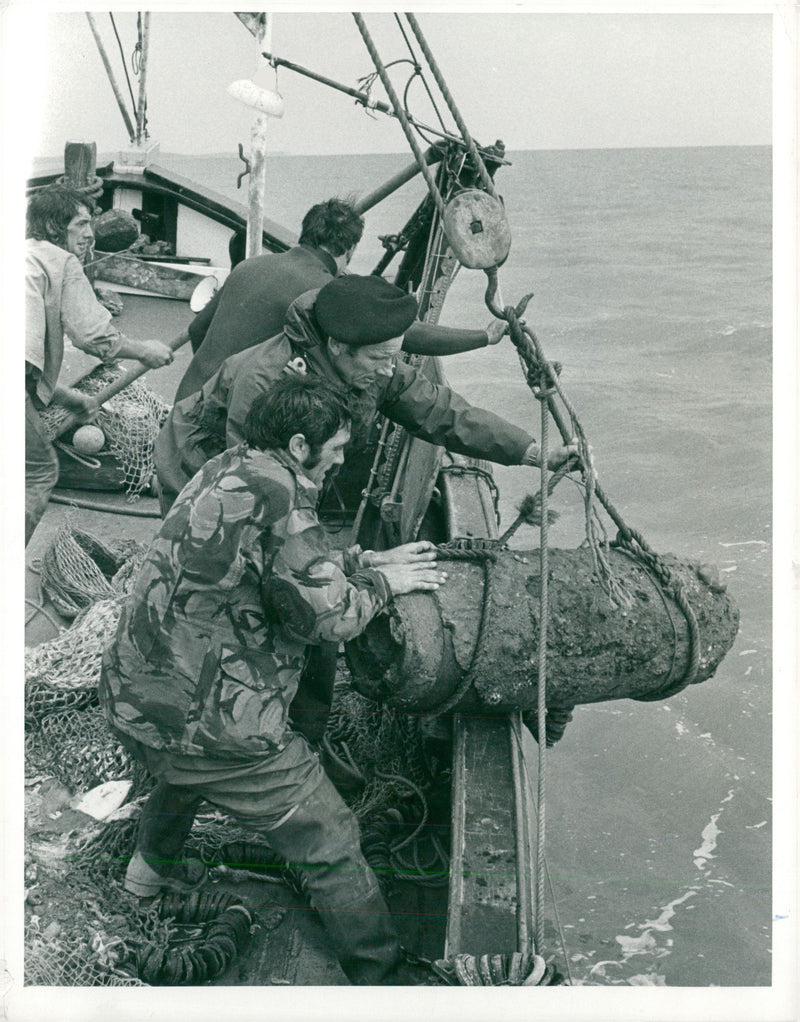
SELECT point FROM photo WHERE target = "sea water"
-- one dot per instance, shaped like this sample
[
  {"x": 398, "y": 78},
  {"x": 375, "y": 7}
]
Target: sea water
[{"x": 650, "y": 270}]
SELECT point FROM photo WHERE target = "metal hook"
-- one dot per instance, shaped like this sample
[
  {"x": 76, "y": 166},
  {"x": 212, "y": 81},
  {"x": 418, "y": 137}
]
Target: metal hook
[
  {"x": 246, "y": 163},
  {"x": 492, "y": 289}
]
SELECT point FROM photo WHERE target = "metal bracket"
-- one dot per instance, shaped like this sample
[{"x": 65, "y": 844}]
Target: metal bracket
[{"x": 246, "y": 163}]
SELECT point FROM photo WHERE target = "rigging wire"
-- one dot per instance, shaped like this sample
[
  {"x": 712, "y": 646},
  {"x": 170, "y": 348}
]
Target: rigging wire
[
  {"x": 136, "y": 56},
  {"x": 544, "y": 616},
  {"x": 139, "y": 64},
  {"x": 480, "y": 166},
  {"x": 418, "y": 67},
  {"x": 399, "y": 112},
  {"x": 366, "y": 82},
  {"x": 124, "y": 63}
]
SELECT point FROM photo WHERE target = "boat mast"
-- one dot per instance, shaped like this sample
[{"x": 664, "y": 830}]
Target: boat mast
[
  {"x": 141, "y": 109},
  {"x": 261, "y": 27},
  {"x": 111, "y": 77}
]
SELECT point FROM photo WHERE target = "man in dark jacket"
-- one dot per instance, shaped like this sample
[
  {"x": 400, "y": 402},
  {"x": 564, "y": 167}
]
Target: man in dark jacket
[
  {"x": 239, "y": 582},
  {"x": 350, "y": 332},
  {"x": 251, "y": 305}
]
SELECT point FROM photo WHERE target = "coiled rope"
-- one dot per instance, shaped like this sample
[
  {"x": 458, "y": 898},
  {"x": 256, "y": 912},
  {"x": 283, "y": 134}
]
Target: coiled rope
[{"x": 93, "y": 188}]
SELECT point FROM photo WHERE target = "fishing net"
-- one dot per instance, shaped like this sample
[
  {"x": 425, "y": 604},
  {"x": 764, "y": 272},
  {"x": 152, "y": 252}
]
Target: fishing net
[
  {"x": 106, "y": 937},
  {"x": 78, "y": 570},
  {"x": 83, "y": 752},
  {"x": 388, "y": 749},
  {"x": 100, "y": 930},
  {"x": 131, "y": 421},
  {"x": 405, "y": 765},
  {"x": 63, "y": 674},
  {"x": 51, "y": 963}
]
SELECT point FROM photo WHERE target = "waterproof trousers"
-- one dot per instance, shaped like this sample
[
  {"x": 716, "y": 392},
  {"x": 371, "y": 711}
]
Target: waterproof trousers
[
  {"x": 321, "y": 841},
  {"x": 318, "y": 837},
  {"x": 41, "y": 468}
]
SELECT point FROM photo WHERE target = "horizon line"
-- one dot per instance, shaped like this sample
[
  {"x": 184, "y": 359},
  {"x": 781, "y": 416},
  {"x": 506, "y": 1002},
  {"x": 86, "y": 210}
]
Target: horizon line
[{"x": 401, "y": 153}]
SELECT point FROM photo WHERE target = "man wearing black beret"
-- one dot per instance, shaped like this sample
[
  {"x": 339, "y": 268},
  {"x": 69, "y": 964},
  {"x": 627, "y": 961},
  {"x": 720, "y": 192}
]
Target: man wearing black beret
[
  {"x": 251, "y": 306},
  {"x": 350, "y": 331}
]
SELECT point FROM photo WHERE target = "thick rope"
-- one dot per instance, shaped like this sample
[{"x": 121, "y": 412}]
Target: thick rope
[
  {"x": 530, "y": 510},
  {"x": 636, "y": 546},
  {"x": 94, "y": 188},
  {"x": 462, "y": 127},
  {"x": 534, "y": 365},
  {"x": 400, "y": 113},
  {"x": 483, "y": 555},
  {"x": 518, "y": 739},
  {"x": 541, "y": 701}
]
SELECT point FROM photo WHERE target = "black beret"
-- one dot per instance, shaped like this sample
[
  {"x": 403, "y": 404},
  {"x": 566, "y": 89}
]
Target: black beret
[{"x": 358, "y": 310}]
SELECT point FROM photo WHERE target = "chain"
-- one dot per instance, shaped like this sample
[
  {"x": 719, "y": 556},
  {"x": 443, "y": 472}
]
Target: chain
[{"x": 480, "y": 473}]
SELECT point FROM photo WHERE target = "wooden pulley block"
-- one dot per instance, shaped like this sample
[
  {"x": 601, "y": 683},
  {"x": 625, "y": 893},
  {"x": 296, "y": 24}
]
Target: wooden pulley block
[{"x": 477, "y": 229}]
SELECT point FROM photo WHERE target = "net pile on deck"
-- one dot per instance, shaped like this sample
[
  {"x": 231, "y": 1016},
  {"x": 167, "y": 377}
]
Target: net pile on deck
[{"x": 77, "y": 569}]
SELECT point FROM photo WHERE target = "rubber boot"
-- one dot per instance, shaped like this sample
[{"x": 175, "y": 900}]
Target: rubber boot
[
  {"x": 321, "y": 841},
  {"x": 164, "y": 825}
]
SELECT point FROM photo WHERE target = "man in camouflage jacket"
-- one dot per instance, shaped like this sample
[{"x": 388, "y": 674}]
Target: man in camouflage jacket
[
  {"x": 348, "y": 332},
  {"x": 238, "y": 583}
]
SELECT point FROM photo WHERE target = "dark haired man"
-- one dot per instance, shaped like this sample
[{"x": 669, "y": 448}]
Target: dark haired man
[
  {"x": 349, "y": 332},
  {"x": 238, "y": 583},
  {"x": 60, "y": 300},
  {"x": 252, "y": 303}
]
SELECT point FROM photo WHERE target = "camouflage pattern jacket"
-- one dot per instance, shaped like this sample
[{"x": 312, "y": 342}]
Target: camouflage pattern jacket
[{"x": 238, "y": 582}]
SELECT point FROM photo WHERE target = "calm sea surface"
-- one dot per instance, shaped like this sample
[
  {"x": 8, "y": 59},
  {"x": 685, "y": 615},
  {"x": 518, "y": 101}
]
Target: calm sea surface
[{"x": 651, "y": 273}]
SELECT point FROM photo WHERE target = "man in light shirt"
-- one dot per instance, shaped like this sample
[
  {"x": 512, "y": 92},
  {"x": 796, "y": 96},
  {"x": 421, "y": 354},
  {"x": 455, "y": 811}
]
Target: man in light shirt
[{"x": 59, "y": 300}]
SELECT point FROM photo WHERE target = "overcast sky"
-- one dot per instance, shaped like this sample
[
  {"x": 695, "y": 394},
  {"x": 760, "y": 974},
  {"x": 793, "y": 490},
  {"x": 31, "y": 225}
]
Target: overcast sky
[{"x": 536, "y": 80}]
